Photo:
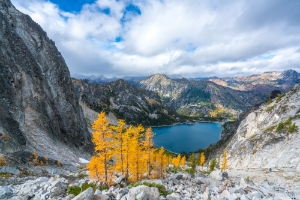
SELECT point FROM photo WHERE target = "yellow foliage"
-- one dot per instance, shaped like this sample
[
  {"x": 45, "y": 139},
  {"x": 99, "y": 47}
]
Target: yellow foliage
[
  {"x": 125, "y": 150},
  {"x": 2, "y": 161},
  {"x": 148, "y": 147},
  {"x": 102, "y": 139},
  {"x": 202, "y": 159},
  {"x": 182, "y": 161},
  {"x": 176, "y": 161},
  {"x": 225, "y": 162},
  {"x": 219, "y": 111}
]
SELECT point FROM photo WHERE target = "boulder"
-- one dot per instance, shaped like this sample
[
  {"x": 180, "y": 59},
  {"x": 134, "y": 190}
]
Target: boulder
[
  {"x": 85, "y": 195},
  {"x": 69, "y": 197},
  {"x": 173, "y": 196},
  {"x": 216, "y": 175},
  {"x": 119, "y": 179},
  {"x": 177, "y": 176},
  {"x": 101, "y": 197},
  {"x": 10, "y": 170},
  {"x": 148, "y": 193},
  {"x": 5, "y": 192}
]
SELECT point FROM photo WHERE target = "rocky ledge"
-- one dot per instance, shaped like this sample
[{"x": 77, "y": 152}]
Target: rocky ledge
[{"x": 179, "y": 186}]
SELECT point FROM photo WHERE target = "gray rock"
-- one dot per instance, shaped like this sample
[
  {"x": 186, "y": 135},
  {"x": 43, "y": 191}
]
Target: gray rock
[
  {"x": 5, "y": 192},
  {"x": 85, "y": 195},
  {"x": 141, "y": 196},
  {"x": 10, "y": 169},
  {"x": 173, "y": 196},
  {"x": 149, "y": 192},
  {"x": 69, "y": 197},
  {"x": 216, "y": 175},
  {"x": 101, "y": 197},
  {"x": 240, "y": 191},
  {"x": 119, "y": 179},
  {"x": 177, "y": 176}
]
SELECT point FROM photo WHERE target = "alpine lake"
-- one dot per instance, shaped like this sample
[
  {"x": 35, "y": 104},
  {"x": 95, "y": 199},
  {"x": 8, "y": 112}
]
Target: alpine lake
[{"x": 187, "y": 137}]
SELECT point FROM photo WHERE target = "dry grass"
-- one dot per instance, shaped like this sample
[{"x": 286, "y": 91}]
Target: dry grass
[
  {"x": 82, "y": 166},
  {"x": 152, "y": 102},
  {"x": 3, "y": 136},
  {"x": 2, "y": 161}
]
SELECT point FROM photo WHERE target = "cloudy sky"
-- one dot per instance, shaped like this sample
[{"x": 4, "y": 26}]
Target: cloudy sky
[{"x": 194, "y": 38}]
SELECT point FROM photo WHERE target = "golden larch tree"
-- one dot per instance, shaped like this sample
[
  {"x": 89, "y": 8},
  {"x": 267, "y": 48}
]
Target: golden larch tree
[
  {"x": 176, "y": 161},
  {"x": 136, "y": 153},
  {"x": 225, "y": 162},
  {"x": 100, "y": 166},
  {"x": 182, "y": 161},
  {"x": 118, "y": 142},
  {"x": 202, "y": 159},
  {"x": 148, "y": 147}
]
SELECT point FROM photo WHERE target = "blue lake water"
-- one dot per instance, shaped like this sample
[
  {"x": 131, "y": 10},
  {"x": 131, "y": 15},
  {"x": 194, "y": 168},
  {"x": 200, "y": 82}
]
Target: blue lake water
[{"x": 187, "y": 137}]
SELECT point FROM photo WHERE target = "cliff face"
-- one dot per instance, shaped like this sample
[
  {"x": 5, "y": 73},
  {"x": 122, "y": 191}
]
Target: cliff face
[
  {"x": 38, "y": 109},
  {"x": 135, "y": 105},
  {"x": 269, "y": 135}
]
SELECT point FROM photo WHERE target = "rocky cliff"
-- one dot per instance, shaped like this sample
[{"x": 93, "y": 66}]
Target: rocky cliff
[
  {"x": 200, "y": 98},
  {"x": 38, "y": 109},
  {"x": 269, "y": 135},
  {"x": 135, "y": 105}
]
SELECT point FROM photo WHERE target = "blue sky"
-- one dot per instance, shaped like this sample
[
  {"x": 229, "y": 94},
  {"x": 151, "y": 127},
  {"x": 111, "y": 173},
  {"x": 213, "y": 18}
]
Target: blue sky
[{"x": 191, "y": 38}]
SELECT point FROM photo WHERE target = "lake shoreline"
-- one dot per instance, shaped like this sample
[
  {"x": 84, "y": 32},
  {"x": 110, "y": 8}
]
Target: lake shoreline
[{"x": 189, "y": 123}]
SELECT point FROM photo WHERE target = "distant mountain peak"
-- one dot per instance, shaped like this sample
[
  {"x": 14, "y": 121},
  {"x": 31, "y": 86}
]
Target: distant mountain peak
[{"x": 290, "y": 75}]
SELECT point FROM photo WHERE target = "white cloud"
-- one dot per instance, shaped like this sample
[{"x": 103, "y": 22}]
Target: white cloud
[{"x": 192, "y": 38}]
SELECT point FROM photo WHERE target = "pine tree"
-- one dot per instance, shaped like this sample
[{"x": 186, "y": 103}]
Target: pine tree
[
  {"x": 202, "y": 159},
  {"x": 224, "y": 163},
  {"x": 148, "y": 146},
  {"x": 100, "y": 165}
]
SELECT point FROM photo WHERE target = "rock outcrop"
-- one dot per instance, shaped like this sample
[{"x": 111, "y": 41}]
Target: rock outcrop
[
  {"x": 268, "y": 137},
  {"x": 39, "y": 111}
]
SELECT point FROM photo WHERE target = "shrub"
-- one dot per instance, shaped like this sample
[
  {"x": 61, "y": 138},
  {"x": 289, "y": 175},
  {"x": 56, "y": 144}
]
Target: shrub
[
  {"x": 3, "y": 136},
  {"x": 293, "y": 128},
  {"x": 81, "y": 175},
  {"x": 75, "y": 190},
  {"x": 253, "y": 138},
  {"x": 269, "y": 129},
  {"x": 270, "y": 101},
  {"x": 279, "y": 98},
  {"x": 280, "y": 127},
  {"x": 5, "y": 175},
  {"x": 2, "y": 161},
  {"x": 270, "y": 109},
  {"x": 213, "y": 164}
]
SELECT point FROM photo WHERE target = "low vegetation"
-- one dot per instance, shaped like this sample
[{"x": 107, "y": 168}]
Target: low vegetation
[
  {"x": 287, "y": 126},
  {"x": 270, "y": 129},
  {"x": 75, "y": 190},
  {"x": 279, "y": 98},
  {"x": 2, "y": 161},
  {"x": 270, "y": 108}
]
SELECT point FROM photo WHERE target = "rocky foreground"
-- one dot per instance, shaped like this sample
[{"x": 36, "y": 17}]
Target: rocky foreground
[{"x": 177, "y": 186}]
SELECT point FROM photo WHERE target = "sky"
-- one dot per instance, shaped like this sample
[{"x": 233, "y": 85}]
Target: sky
[{"x": 193, "y": 38}]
